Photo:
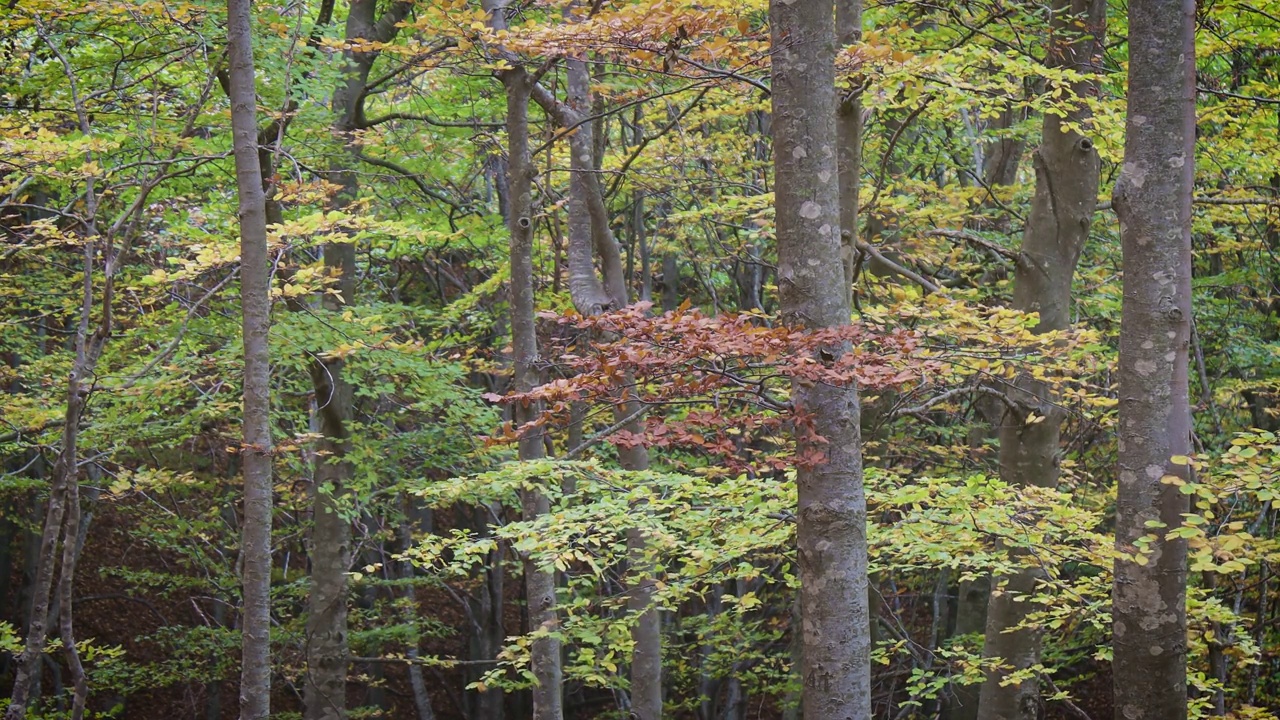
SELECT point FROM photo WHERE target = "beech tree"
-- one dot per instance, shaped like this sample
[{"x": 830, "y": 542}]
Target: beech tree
[
  {"x": 328, "y": 652},
  {"x": 832, "y": 515},
  {"x": 540, "y": 582},
  {"x": 1067, "y": 169},
  {"x": 255, "y": 308},
  {"x": 1153, "y": 202}
]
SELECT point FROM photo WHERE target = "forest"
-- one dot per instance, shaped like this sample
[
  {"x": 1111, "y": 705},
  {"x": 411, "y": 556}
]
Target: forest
[{"x": 639, "y": 359}]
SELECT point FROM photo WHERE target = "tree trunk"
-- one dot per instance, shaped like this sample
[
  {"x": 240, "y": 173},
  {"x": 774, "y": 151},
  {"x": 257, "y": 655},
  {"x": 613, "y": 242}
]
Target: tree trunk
[
  {"x": 849, "y": 139},
  {"x": 540, "y": 582},
  {"x": 328, "y": 652},
  {"x": 670, "y": 281},
  {"x": 255, "y": 303},
  {"x": 831, "y": 521},
  {"x": 589, "y": 231},
  {"x": 972, "y": 597},
  {"x": 28, "y": 663},
  {"x": 1067, "y": 175},
  {"x": 328, "y": 656},
  {"x": 1153, "y": 201},
  {"x": 62, "y": 514}
]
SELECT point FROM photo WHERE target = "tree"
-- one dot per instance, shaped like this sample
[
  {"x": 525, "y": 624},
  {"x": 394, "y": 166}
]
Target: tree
[
  {"x": 540, "y": 582},
  {"x": 328, "y": 653},
  {"x": 1066, "y": 195},
  {"x": 255, "y": 304},
  {"x": 831, "y": 519},
  {"x": 1153, "y": 200}
]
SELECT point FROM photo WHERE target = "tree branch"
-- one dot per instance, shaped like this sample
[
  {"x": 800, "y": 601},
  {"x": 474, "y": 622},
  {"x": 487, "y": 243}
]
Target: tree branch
[
  {"x": 411, "y": 177},
  {"x": 911, "y": 275},
  {"x": 978, "y": 240}
]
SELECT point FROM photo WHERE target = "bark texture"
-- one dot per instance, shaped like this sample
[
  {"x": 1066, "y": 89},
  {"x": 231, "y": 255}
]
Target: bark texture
[
  {"x": 62, "y": 511},
  {"x": 540, "y": 582},
  {"x": 831, "y": 521},
  {"x": 255, "y": 304},
  {"x": 589, "y": 233},
  {"x": 1153, "y": 201},
  {"x": 61, "y": 519},
  {"x": 328, "y": 656},
  {"x": 327, "y": 648},
  {"x": 849, "y": 137},
  {"x": 1067, "y": 174}
]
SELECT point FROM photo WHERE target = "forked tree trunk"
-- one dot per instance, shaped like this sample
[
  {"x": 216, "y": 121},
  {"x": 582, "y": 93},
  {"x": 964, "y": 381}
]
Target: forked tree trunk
[
  {"x": 1067, "y": 174},
  {"x": 255, "y": 303},
  {"x": 1153, "y": 201},
  {"x": 61, "y": 519},
  {"x": 831, "y": 521}
]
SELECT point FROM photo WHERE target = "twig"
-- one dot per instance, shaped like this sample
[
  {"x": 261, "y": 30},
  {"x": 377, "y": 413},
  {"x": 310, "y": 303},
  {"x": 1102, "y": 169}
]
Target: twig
[
  {"x": 1250, "y": 98},
  {"x": 603, "y": 434},
  {"x": 915, "y": 277},
  {"x": 976, "y": 240},
  {"x": 411, "y": 177},
  {"x": 182, "y": 331},
  {"x": 1075, "y": 709},
  {"x": 47, "y": 425}
]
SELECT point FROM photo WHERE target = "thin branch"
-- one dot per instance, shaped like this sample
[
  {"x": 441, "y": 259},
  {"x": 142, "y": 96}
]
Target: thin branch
[
  {"x": 411, "y": 177},
  {"x": 978, "y": 240},
  {"x": 949, "y": 395},
  {"x": 429, "y": 662},
  {"x": 46, "y": 425},
  {"x": 730, "y": 74},
  {"x": 474, "y": 124},
  {"x": 1237, "y": 96},
  {"x": 182, "y": 331},
  {"x": 911, "y": 275},
  {"x": 893, "y": 143},
  {"x": 594, "y": 439},
  {"x": 644, "y": 142},
  {"x": 569, "y": 120}
]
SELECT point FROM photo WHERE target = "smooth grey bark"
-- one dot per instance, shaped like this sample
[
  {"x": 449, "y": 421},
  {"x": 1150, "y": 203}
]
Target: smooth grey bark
[
  {"x": 670, "y": 281},
  {"x": 328, "y": 655},
  {"x": 849, "y": 139},
  {"x": 972, "y": 597},
  {"x": 483, "y": 610},
  {"x": 1067, "y": 176},
  {"x": 540, "y": 582},
  {"x": 255, "y": 304},
  {"x": 327, "y": 649},
  {"x": 61, "y": 521},
  {"x": 589, "y": 232},
  {"x": 1153, "y": 201},
  {"x": 1001, "y": 158},
  {"x": 62, "y": 511},
  {"x": 831, "y": 520},
  {"x": 849, "y": 122},
  {"x": 423, "y": 519}
]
